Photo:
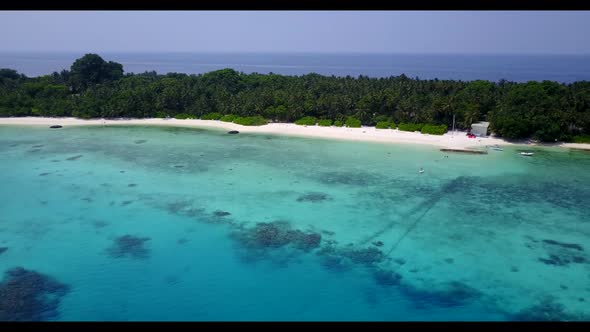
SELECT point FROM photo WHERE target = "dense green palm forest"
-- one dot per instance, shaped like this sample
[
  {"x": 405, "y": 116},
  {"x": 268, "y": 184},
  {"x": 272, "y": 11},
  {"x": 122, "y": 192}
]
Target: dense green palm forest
[{"x": 95, "y": 88}]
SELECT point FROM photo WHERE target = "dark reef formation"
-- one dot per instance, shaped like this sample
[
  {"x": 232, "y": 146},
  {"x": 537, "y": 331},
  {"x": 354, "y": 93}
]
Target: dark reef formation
[
  {"x": 565, "y": 245},
  {"x": 562, "y": 260},
  {"x": 74, "y": 157},
  {"x": 454, "y": 293},
  {"x": 219, "y": 213},
  {"x": 187, "y": 207},
  {"x": 335, "y": 258},
  {"x": 277, "y": 234},
  {"x": 27, "y": 295},
  {"x": 546, "y": 310},
  {"x": 184, "y": 208},
  {"x": 3, "y": 250},
  {"x": 313, "y": 197},
  {"x": 386, "y": 278},
  {"x": 333, "y": 263},
  {"x": 274, "y": 242},
  {"x": 400, "y": 261},
  {"x": 99, "y": 224},
  {"x": 558, "y": 253},
  {"x": 366, "y": 256},
  {"x": 488, "y": 194},
  {"x": 129, "y": 246}
]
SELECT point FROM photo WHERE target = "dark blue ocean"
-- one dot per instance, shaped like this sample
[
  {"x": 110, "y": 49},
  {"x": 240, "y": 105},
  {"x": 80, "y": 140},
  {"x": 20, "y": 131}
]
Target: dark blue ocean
[{"x": 518, "y": 68}]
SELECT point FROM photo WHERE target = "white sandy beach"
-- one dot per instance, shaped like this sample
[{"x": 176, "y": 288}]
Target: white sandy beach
[{"x": 457, "y": 140}]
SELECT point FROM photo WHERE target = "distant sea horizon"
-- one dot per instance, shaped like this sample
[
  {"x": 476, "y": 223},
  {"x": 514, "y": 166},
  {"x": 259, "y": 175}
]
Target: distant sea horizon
[{"x": 563, "y": 68}]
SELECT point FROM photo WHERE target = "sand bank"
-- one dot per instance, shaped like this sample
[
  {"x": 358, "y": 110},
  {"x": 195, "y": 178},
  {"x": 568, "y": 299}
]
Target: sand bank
[{"x": 457, "y": 140}]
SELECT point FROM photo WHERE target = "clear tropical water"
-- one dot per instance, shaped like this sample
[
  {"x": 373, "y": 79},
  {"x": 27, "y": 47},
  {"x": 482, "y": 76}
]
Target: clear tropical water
[
  {"x": 226, "y": 227},
  {"x": 517, "y": 68}
]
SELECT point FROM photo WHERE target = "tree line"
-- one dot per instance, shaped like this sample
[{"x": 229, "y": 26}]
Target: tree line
[{"x": 95, "y": 88}]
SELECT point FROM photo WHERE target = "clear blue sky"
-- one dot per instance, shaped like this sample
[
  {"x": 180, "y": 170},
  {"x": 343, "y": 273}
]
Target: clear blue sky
[{"x": 297, "y": 31}]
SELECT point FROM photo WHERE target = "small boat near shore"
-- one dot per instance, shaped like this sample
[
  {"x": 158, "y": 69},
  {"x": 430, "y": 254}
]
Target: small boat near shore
[
  {"x": 495, "y": 148},
  {"x": 464, "y": 151},
  {"x": 527, "y": 154}
]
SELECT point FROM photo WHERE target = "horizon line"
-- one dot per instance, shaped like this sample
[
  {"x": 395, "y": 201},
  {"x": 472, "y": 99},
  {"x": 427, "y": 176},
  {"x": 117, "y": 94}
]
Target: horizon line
[{"x": 292, "y": 53}]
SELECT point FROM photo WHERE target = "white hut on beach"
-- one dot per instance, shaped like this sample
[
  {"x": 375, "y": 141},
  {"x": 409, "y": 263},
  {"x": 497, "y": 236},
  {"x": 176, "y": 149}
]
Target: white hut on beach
[{"x": 480, "y": 129}]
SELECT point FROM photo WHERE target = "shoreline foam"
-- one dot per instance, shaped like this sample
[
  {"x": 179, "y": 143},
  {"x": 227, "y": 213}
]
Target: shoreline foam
[{"x": 457, "y": 140}]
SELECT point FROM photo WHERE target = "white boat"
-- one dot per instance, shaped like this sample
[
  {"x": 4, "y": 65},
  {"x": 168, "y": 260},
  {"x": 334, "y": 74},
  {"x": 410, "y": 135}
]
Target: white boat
[{"x": 526, "y": 153}]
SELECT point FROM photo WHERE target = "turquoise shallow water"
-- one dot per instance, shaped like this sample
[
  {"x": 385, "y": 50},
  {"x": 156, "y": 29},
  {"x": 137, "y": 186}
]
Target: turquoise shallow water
[{"x": 147, "y": 223}]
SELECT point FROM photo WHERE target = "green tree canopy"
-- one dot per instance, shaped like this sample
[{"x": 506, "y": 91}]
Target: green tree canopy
[
  {"x": 97, "y": 88},
  {"x": 91, "y": 69}
]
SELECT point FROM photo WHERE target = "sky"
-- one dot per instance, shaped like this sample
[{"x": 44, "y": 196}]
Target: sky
[{"x": 509, "y": 32}]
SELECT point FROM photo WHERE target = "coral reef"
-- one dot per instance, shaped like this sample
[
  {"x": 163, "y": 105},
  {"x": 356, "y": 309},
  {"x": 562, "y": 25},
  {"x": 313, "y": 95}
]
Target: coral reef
[
  {"x": 453, "y": 294},
  {"x": 219, "y": 213},
  {"x": 386, "y": 278},
  {"x": 333, "y": 263},
  {"x": 366, "y": 256},
  {"x": 558, "y": 253},
  {"x": 400, "y": 261},
  {"x": 564, "y": 245},
  {"x": 277, "y": 234},
  {"x": 184, "y": 208},
  {"x": 313, "y": 197},
  {"x": 546, "y": 310},
  {"x": 129, "y": 246},
  {"x": 99, "y": 223},
  {"x": 562, "y": 260},
  {"x": 27, "y": 295}
]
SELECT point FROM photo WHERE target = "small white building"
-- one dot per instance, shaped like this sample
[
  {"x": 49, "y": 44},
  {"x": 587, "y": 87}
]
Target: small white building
[{"x": 480, "y": 129}]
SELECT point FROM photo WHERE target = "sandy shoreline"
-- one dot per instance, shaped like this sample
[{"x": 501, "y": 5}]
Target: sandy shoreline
[{"x": 457, "y": 141}]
